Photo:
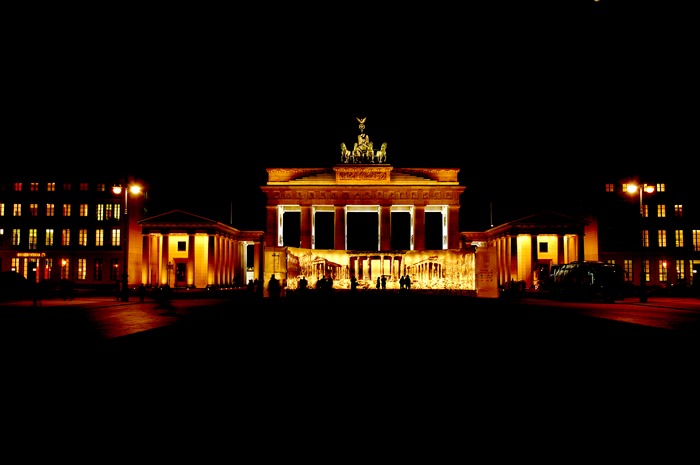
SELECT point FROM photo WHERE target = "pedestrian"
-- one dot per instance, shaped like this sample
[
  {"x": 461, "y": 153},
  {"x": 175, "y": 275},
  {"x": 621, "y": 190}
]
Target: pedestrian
[
  {"x": 379, "y": 283},
  {"x": 273, "y": 287},
  {"x": 142, "y": 292}
]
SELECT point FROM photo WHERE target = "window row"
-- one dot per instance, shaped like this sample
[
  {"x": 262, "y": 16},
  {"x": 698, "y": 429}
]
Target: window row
[
  {"x": 103, "y": 212},
  {"x": 681, "y": 270},
  {"x": 49, "y": 238},
  {"x": 75, "y": 269},
  {"x": 678, "y": 241},
  {"x": 51, "y": 186}
]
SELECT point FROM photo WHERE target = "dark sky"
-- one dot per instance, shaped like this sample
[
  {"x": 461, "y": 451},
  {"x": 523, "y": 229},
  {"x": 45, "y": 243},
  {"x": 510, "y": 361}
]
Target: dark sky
[{"x": 523, "y": 97}]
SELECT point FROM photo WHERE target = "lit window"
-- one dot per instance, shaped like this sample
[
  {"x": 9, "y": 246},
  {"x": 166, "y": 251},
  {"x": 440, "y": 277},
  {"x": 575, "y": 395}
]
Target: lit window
[
  {"x": 680, "y": 269},
  {"x": 679, "y": 237},
  {"x": 116, "y": 237},
  {"x": 32, "y": 239},
  {"x": 82, "y": 269},
  {"x": 645, "y": 270},
  {"x": 662, "y": 238},
  {"x": 65, "y": 268},
  {"x": 48, "y": 268}
]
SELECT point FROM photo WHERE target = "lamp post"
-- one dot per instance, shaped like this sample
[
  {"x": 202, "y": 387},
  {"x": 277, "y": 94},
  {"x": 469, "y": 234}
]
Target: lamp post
[
  {"x": 632, "y": 189},
  {"x": 134, "y": 189}
]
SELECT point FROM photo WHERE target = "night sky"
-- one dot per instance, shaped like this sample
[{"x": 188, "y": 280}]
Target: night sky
[{"x": 524, "y": 98}]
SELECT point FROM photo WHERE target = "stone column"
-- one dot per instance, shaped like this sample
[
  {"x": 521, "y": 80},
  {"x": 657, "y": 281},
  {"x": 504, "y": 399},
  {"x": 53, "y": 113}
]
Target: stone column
[
  {"x": 419, "y": 228},
  {"x": 385, "y": 227},
  {"x": 340, "y": 227},
  {"x": 305, "y": 225}
]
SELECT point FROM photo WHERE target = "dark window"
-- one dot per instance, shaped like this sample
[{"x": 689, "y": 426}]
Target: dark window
[
  {"x": 400, "y": 231},
  {"x": 250, "y": 256},
  {"x": 363, "y": 231},
  {"x": 433, "y": 231},
  {"x": 291, "y": 232},
  {"x": 324, "y": 230},
  {"x": 544, "y": 247}
]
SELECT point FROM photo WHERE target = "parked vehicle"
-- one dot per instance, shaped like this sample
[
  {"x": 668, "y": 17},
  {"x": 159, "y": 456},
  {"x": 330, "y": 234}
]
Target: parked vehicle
[
  {"x": 13, "y": 286},
  {"x": 586, "y": 280}
]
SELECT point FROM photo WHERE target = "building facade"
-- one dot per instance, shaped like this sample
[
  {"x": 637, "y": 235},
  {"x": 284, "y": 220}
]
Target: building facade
[
  {"x": 653, "y": 232},
  {"x": 59, "y": 229},
  {"x": 183, "y": 250}
]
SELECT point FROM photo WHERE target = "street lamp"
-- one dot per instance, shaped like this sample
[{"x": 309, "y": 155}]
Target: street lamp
[
  {"x": 134, "y": 189},
  {"x": 632, "y": 189}
]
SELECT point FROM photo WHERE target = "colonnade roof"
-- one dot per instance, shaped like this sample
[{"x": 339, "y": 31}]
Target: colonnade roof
[
  {"x": 548, "y": 220},
  {"x": 180, "y": 220}
]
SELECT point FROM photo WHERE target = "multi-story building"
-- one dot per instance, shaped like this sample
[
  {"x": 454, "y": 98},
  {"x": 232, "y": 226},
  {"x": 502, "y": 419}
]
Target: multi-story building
[
  {"x": 652, "y": 233},
  {"x": 84, "y": 231},
  {"x": 55, "y": 228}
]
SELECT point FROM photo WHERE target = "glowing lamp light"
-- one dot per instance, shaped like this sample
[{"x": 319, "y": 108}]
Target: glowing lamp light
[
  {"x": 649, "y": 189},
  {"x": 133, "y": 189},
  {"x": 632, "y": 188}
]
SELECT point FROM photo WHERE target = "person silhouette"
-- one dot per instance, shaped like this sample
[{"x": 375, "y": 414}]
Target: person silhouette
[{"x": 273, "y": 287}]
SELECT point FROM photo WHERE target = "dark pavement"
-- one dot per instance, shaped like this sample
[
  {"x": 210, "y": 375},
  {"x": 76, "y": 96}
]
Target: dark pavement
[
  {"x": 336, "y": 376},
  {"x": 368, "y": 322}
]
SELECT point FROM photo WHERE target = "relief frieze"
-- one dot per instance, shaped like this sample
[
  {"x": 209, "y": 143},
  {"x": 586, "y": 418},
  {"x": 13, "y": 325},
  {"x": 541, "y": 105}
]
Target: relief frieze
[{"x": 362, "y": 174}]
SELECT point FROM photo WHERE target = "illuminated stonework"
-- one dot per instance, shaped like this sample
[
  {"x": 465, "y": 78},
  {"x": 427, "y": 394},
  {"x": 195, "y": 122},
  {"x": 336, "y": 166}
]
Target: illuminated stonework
[{"x": 362, "y": 174}]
